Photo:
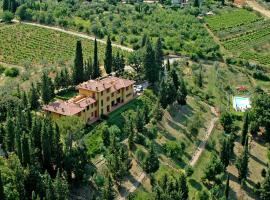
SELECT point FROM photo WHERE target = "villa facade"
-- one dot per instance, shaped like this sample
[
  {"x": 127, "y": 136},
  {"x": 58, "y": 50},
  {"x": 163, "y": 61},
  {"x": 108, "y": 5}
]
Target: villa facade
[{"x": 95, "y": 98}]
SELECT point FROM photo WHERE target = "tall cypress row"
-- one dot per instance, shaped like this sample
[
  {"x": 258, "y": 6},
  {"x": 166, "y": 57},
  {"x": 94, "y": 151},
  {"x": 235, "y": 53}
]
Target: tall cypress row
[
  {"x": 108, "y": 56},
  {"x": 78, "y": 70},
  {"x": 96, "y": 70},
  {"x": 10, "y": 134}
]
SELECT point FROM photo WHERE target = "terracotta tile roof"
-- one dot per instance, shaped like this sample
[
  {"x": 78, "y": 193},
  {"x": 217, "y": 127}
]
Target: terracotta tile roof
[
  {"x": 110, "y": 82},
  {"x": 70, "y": 107}
]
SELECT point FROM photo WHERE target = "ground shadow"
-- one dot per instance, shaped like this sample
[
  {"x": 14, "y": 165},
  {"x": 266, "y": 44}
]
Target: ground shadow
[{"x": 258, "y": 160}]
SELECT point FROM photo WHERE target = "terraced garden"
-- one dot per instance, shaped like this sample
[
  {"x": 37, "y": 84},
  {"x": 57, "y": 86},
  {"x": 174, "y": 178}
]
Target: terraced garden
[
  {"x": 243, "y": 33},
  {"x": 21, "y": 43}
]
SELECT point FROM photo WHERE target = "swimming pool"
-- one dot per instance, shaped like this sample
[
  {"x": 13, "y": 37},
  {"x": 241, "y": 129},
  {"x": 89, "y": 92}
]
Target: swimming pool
[{"x": 241, "y": 103}]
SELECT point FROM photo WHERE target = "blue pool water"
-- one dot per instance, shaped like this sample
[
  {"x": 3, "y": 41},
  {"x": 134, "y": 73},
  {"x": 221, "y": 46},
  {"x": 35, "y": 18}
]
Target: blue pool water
[{"x": 241, "y": 103}]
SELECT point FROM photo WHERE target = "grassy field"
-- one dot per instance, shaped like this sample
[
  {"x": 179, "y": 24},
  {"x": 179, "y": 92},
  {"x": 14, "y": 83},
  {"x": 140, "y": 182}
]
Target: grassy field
[
  {"x": 21, "y": 43},
  {"x": 243, "y": 33}
]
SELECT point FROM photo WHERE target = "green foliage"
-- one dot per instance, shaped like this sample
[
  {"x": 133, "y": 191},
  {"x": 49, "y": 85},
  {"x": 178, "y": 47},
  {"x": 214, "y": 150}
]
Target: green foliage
[
  {"x": 174, "y": 149},
  {"x": 245, "y": 129},
  {"x": 265, "y": 188},
  {"x": 172, "y": 187},
  {"x": 78, "y": 73},
  {"x": 242, "y": 163},
  {"x": 226, "y": 120},
  {"x": 213, "y": 169},
  {"x": 47, "y": 88},
  {"x": 151, "y": 162},
  {"x": 96, "y": 70},
  {"x": 260, "y": 113},
  {"x": 12, "y": 72},
  {"x": 225, "y": 151},
  {"x": 7, "y": 16},
  {"x": 108, "y": 56}
]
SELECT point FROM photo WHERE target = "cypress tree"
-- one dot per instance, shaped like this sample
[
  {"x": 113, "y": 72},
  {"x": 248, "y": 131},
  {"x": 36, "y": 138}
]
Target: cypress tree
[
  {"x": 108, "y": 56},
  {"x": 106, "y": 137},
  {"x": 33, "y": 97},
  {"x": 18, "y": 142},
  {"x": 159, "y": 55},
  {"x": 2, "y": 135},
  {"x": 45, "y": 88},
  {"x": 108, "y": 192},
  {"x": 265, "y": 189},
  {"x": 25, "y": 102},
  {"x": 78, "y": 72},
  {"x": 5, "y": 5},
  {"x": 182, "y": 182},
  {"x": 46, "y": 145},
  {"x": 149, "y": 63},
  {"x": 2, "y": 194},
  {"x": 96, "y": 70},
  {"x": 25, "y": 150},
  {"x": 245, "y": 129},
  {"x": 151, "y": 162},
  {"x": 196, "y": 3},
  {"x": 225, "y": 152},
  {"x": 60, "y": 187},
  {"x": 10, "y": 134},
  {"x": 175, "y": 79},
  {"x": 227, "y": 187},
  {"x": 88, "y": 70},
  {"x": 58, "y": 147},
  {"x": 242, "y": 163},
  {"x": 168, "y": 65}
]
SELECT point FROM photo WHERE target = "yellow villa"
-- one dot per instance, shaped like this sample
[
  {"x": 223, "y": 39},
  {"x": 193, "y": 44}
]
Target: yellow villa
[{"x": 95, "y": 98}]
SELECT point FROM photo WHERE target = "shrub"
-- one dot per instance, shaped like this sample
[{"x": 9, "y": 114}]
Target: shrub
[
  {"x": 7, "y": 16},
  {"x": 189, "y": 170},
  {"x": 261, "y": 76},
  {"x": 12, "y": 72}
]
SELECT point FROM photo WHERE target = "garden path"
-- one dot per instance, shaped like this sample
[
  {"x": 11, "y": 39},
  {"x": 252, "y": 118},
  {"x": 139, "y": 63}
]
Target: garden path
[{"x": 201, "y": 147}]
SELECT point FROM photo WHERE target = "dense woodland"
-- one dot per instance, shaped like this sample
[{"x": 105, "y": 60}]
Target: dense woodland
[{"x": 45, "y": 159}]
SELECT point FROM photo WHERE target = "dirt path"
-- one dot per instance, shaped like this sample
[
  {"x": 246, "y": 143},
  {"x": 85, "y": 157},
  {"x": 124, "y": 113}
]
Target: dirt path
[
  {"x": 256, "y": 6},
  {"x": 82, "y": 35},
  {"x": 201, "y": 147}
]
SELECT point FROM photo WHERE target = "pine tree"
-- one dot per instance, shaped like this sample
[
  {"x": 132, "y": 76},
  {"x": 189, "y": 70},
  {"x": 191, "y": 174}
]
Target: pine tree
[
  {"x": 33, "y": 97},
  {"x": 10, "y": 134},
  {"x": 96, "y": 70},
  {"x": 25, "y": 150},
  {"x": 227, "y": 187},
  {"x": 149, "y": 64},
  {"x": 245, "y": 129},
  {"x": 159, "y": 56},
  {"x": 2, "y": 194},
  {"x": 108, "y": 56},
  {"x": 78, "y": 73}
]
